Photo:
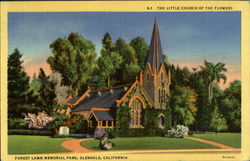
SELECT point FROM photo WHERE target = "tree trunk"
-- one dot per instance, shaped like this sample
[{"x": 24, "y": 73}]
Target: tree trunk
[
  {"x": 209, "y": 91},
  {"x": 108, "y": 80}
]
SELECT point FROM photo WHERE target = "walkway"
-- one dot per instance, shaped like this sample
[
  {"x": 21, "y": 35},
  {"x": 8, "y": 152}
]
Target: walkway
[
  {"x": 75, "y": 146},
  {"x": 222, "y": 146}
]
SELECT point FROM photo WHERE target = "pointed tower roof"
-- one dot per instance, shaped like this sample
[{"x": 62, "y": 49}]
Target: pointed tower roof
[{"x": 155, "y": 56}]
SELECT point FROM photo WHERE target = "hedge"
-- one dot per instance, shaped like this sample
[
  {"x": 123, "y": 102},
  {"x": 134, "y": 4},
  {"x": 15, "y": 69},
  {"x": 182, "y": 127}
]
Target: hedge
[
  {"x": 29, "y": 132},
  {"x": 70, "y": 136}
]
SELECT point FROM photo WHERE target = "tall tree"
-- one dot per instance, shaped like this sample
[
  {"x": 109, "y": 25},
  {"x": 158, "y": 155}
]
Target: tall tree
[
  {"x": 108, "y": 63},
  {"x": 62, "y": 92},
  {"x": 47, "y": 95},
  {"x": 18, "y": 84},
  {"x": 213, "y": 73},
  {"x": 231, "y": 106},
  {"x": 129, "y": 68},
  {"x": 182, "y": 103},
  {"x": 218, "y": 121},
  {"x": 74, "y": 58},
  {"x": 35, "y": 85},
  {"x": 141, "y": 48}
]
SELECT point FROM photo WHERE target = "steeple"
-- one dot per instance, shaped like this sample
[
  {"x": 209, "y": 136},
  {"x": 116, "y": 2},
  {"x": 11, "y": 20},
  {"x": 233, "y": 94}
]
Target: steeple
[{"x": 155, "y": 56}]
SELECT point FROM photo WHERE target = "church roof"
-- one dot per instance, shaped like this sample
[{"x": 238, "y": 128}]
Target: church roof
[
  {"x": 155, "y": 56},
  {"x": 73, "y": 100},
  {"x": 103, "y": 115},
  {"x": 105, "y": 98}
]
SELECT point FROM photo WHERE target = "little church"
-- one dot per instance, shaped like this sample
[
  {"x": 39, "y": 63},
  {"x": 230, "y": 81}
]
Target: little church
[{"x": 150, "y": 90}]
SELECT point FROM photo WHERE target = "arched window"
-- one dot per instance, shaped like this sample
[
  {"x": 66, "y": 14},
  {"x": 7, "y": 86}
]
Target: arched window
[
  {"x": 136, "y": 112},
  {"x": 161, "y": 75},
  {"x": 161, "y": 121},
  {"x": 164, "y": 95}
]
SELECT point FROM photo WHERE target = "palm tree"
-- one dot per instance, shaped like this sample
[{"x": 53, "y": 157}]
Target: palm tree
[{"x": 213, "y": 74}]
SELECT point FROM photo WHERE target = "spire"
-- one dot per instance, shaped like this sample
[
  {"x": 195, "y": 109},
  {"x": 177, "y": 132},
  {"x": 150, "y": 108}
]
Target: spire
[{"x": 155, "y": 56}]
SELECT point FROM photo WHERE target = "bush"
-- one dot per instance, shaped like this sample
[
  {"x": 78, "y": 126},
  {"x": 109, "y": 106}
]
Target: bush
[
  {"x": 79, "y": 124},
  {"x": 179, "y": 131},
  {"x": 28, "y": 132},
  {"x": 17, "y": 123},
  {"x": 38, "y": 121},
  {"x": 58, "y": 122},
  {"x": 122, "y": 120},
  {"x": 111, "y": 133}
]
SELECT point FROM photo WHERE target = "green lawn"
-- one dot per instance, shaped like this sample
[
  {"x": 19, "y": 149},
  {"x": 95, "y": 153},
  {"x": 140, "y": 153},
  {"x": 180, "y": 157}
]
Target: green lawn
[
  {"x": 149, "y": 143},
  {"x": 25, "y": 144},
  {"x": 231, "y": 139}
]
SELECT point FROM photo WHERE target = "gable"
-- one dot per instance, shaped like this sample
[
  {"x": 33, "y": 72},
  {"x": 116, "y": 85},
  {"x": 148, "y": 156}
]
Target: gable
[{"x": 136, "y": 90}]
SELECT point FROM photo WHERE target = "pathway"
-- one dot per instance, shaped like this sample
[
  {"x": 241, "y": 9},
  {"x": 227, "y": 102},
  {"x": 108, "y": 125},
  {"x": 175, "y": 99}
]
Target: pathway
[
  {"x": 222, "y": 146},
  {"x": 75, "y": 146}
]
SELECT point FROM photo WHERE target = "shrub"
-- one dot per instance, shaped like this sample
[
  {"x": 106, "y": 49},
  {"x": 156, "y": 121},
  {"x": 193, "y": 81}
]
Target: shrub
[
  {"x": 28, "y": 132},
  {"x": 179, "y": 131},
  {"x": 70, "y": 136},
  {"x": 17, "y": 123},
  {"x": 79, "y": 125},
  {"x": 136, "y": 132},
  {"x": 111, "y": 132},
  {"x": 58, "y": 122},
  {"x": 38, "y": 121},
  {"x": 122, "y": 120}
]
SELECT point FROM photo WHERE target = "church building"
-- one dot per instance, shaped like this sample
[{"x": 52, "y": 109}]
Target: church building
[{"x": 150, "y": 90}]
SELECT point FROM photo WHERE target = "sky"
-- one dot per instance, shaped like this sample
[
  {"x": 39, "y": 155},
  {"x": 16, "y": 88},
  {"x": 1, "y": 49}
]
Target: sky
[{"x": 187, "y": 38}]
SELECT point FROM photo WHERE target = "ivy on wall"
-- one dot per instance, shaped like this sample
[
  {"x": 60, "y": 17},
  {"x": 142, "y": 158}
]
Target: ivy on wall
[
  {"x": 122, "y": 120},
  {"x": 152, "y": 119}
]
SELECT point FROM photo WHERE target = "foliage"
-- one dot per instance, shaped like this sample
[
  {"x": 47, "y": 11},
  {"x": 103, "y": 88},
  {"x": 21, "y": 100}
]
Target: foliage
[
  {"x": 122, "y": 120},
  {"x": 179, "y": 131},
  {"x": 35, "y": 85},
  {"x": 182, "y": 103},
  {"x": 74, "y": 58},
  {"x": 129, "y": 68},
  {"x": 105, "y": 143},
  {"x": 218, "y": 121},
  {"x": 47, "y": 96},
  {"x": 17, "y": 123},
  {"x": 58, "y": 122},
  {"x": 231, "y": 106},
  {"x": 111, "y": 132},
  {"x": 18, "y": 84},
  {"x": 213, "y": 73},
  {"x": 79, "y": 126},
  {"x": 38, "y": 121},
  {"x": 107, "y": 66},
  {"x": 141, "y": 48},
  {"x": 28, "y": 132},
  {"x": 61, "y": 91},
  {"x": 69, "y": 136},
  {"x": 151, "y": 120}
]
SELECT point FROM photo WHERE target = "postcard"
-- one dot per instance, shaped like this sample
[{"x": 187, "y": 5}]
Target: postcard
[{"x": 125, "y": 80}]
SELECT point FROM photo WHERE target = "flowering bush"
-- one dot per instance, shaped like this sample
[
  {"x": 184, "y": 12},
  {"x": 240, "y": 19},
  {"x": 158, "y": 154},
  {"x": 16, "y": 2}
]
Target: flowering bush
[
  {"x": 38, "y": 121},
  {"x": 179, "y": 131}
]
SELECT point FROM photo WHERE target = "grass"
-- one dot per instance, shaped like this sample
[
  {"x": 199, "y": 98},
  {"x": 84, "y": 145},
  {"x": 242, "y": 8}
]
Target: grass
[
  {"x": 149, "y": 143},
  {"x": 231, "y": 139},
  {"x": 25, "y": 144}
]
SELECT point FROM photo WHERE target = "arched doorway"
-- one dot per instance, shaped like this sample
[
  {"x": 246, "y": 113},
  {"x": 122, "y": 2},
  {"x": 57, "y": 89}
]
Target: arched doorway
[{"x": 161, "y": 121}]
